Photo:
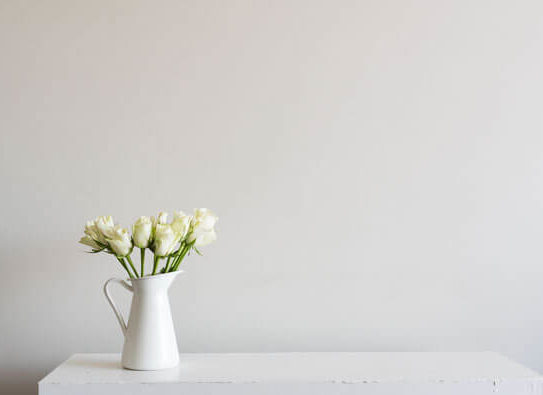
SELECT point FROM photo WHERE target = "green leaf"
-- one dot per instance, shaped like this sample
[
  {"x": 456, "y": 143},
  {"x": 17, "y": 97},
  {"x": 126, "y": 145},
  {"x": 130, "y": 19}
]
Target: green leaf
[{"x": 198, "y": 251}]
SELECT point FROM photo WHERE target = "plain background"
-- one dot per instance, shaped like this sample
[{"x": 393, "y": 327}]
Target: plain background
[{"x": 376, "y": 165}]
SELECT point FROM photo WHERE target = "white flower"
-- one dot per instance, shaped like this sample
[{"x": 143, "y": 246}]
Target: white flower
[
  {"x": 204, "y": 219},
  {"x": 202, "y": 230},
  {"x": 89, "y": 241},
  {"x": 165, "y": 240},
  {"x": 142, "y": 231},
  {"x": 119, "y": 241},
  {"x": 162, "y": 218},
  {"x": 205, "y": 238},
  {"x": 105, "y": 226},
  {"x": 95, "y": 233},
  {"x": 181, "y": 224}
]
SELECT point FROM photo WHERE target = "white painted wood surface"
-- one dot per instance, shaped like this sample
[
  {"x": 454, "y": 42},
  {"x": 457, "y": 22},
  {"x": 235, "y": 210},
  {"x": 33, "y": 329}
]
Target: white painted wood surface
[{"x": 380, "y": 373}]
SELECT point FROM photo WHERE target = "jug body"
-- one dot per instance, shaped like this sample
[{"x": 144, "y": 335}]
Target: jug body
[{"x": 149, "y": 337}]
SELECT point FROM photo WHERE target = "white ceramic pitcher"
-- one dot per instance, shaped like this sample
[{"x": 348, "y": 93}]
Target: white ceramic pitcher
[{"x": 149, "y": 337}]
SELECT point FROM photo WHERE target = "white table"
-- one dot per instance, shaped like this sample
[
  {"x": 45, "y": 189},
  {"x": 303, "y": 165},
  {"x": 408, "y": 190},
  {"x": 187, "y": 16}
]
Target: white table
[{"x": 380, "y": 373}]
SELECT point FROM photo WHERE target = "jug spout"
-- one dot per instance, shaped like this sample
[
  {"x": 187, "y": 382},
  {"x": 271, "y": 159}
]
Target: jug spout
[{"x": 156, "y": 283}]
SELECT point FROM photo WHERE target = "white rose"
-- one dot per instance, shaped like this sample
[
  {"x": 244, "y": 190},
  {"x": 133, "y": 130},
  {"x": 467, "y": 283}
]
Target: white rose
[
  {"x": 89, "y": 241},
  {"x": 181, "y": 224},
  {"x": 202, "y": 230},
  {"x": 91, "y": 230},
  {"x": 162, "y": 218},
  {"x": 165, "y": 240},
  {"x": 120, "y": 241},
  {"x": 96, "y": 233},
  {"x": 105, "y": 226},
  {"x": 204, "y": 219},
  {"x": 142, "y": 231},
  {"x": 205, "y": 238}
]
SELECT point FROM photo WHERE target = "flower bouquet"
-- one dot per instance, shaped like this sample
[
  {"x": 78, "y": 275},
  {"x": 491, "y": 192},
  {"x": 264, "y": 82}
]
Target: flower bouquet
[
  {"x": 169, "y": 242},
  {"x": 149, "y": 336}
]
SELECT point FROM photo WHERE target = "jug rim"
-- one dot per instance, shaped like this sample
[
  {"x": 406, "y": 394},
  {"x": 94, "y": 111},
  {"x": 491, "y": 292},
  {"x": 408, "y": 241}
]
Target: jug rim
[{"x": 156, "y": 276}]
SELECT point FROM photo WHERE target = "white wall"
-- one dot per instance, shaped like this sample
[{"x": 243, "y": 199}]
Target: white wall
[{"x": 377, "y": 167}]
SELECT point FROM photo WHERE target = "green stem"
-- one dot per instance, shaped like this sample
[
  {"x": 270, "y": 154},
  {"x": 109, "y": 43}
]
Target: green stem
[
  {"x": 176, "y": 256},
  {"x": 125, "y": 267},
  {"x": 132, "y": 265},
  {"x": 181, "y": 257},
  {"x": 176, "y": 253},
  {"x": 142, "y": 256},
  {"x": 174, "y": 263},
  {"x": 134, "y": 274},
  {"x": 167, "y": 264},
  {"x": 155, "y": 264}
]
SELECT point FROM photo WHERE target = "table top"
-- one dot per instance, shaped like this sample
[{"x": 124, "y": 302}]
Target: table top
[{"x": 313, "y": 367}]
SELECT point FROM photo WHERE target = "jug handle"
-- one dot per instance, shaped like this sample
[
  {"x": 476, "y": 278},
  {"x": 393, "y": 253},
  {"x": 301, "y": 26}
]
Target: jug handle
[{"x": 118, "y": 314}]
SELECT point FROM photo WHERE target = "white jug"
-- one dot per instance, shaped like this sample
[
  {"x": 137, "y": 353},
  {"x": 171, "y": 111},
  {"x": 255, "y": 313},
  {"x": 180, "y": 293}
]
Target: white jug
[{"x": 149, "y": 337}]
